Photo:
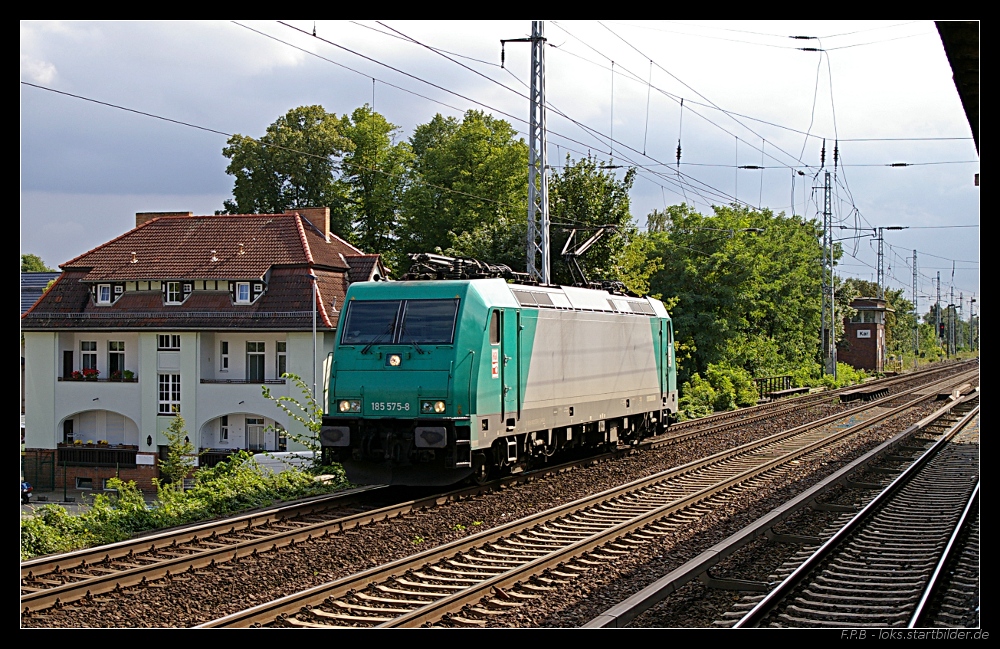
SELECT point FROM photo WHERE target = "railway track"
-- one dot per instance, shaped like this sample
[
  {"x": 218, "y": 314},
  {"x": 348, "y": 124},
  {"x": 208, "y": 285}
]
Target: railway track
[
  {"x": 881, "y": 568},
  {"x": 62, "y": 579},
  {"x": 744, "y": 416},
  {"x": 881, "y": 465},
  {"x": 467, "y": 582}
]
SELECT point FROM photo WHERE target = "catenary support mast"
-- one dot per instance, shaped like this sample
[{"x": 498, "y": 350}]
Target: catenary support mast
[{"x": 539, "y": 265}]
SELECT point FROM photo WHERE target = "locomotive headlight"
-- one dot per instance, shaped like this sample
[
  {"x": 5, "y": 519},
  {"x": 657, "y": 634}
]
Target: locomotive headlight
[
  {"x": 431, "y": 407},
  {"x": 393, "y": 360},
  {"x": 349, "y": 406}
]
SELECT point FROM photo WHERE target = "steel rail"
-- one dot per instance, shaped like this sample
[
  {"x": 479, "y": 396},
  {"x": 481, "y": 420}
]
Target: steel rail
[
  {"x": 268, "y": 612},
  {"x": 728, "y": 423},
  {"x": 788, "y": 405},
  {"x": 189, "y": 533},
  {"x": 624, "y": 612},
  {"x": 945, "y": 557},
  {"x": 767, "y": 604},
  {"x": 453, "y": 603},
  {"x": 45, "y": 593}
]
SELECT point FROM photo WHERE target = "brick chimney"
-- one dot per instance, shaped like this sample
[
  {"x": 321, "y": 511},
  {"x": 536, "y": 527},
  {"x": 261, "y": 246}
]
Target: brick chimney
[
  {"x": 144, "y": 217},
  {"x": 318, "y": 216}
]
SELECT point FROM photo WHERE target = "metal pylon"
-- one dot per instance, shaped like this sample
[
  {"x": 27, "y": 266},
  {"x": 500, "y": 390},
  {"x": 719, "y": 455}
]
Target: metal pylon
[{"x": 539, "y": 266}]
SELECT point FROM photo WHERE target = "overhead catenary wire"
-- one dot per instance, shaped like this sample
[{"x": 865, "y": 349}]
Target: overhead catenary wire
[
  {"x": 335, "y": 165},
  {"x": 611, "y": 142},
  {"x": 843, "y": 205},
  {"x": 555, "y": 109}
]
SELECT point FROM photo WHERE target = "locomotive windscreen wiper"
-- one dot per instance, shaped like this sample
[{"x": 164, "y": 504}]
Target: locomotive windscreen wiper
[
  {"x": 379, "y": 338},
  {"x": 412, "y": 341}
]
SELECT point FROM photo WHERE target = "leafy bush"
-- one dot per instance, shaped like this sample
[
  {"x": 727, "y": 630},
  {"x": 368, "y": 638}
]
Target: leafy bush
[
  {"x": 723, "y": 388},
  {"x": 697, "y": 398},
  {"x": 846, "y": 375},
  {"x": 52, "y": 529},
  {"x": 230, "y": 487},
  {"x": 734, "y": 385}
]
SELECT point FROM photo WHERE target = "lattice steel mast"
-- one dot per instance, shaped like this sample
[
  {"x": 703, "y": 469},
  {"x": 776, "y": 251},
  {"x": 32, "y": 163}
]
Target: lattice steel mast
[{"x": 538, "y": 263}]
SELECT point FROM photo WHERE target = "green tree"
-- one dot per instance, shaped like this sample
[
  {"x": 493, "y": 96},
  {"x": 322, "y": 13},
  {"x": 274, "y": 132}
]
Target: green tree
[
  {"x": 468, "y": 194},
  {"x": 375, "y": 170},
  {"x": 657, "y": 221},
  {"x": 181, "y": 456},
  {"x": 746, "y": 285},
  {"x": 291, "y": 166},
  {"x": 586, "y": 195},
  {"x": 34, "y": 264}
]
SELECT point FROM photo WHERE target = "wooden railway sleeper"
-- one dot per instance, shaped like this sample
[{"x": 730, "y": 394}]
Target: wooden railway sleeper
[
  {"x": 318, "y": 612},
  {"x": 417, "y": 584},
  {"x": 516, "y": 596},
  {"x": 479, "y": 610},
  {"x": 380, "y": 610},
  {"x": 388, "y": 600},
  {"x": 413, "y": 593},
  {"x": 564, "y": 575},
  {"x": 509, "y": 563},
  {"x": 478, "y": 571},
  {"x": 506, "y": 603},
  {"x": 456, "y": 580}
]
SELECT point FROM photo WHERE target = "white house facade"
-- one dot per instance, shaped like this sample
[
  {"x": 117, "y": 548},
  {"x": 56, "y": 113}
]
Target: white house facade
[{"x": 183, "y": 315}]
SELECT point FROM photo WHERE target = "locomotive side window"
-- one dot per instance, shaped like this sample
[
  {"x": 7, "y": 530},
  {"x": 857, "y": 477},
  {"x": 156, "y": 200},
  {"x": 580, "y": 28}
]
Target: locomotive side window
[
  {"x": 670, "y": 344},
  {"x": 370, "y": 321},
  {"x": 495, "y": 328}
]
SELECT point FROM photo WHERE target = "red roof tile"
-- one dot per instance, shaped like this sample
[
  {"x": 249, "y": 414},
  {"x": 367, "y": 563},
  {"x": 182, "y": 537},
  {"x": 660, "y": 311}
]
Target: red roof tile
[
  {"x": 362, "y": 267},
  {"x": 279, "y": 249},
  {"x": 242, "y": 246}
]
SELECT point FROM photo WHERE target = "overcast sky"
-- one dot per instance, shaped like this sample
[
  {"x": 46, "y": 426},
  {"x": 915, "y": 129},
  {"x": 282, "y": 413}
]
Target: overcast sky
[{"x": 884, "y": 90}]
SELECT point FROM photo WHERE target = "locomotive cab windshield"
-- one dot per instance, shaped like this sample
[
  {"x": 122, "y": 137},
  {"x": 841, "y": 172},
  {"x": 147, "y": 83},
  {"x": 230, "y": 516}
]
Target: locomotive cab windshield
[{"x": 423, "y": 322}]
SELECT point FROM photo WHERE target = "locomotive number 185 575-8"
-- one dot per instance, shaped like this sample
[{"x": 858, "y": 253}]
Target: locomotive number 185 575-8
[{"x": 390, "y": 406}]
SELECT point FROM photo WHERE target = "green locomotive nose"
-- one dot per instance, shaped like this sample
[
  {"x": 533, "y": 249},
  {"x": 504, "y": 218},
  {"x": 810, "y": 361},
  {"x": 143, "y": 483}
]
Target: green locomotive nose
[
  {"x": 388, "y": 393},
  {"x": 395, "y": 356}
]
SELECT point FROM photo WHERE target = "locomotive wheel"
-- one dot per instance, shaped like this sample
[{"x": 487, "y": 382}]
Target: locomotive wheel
[{"x": 480, "y": 468}]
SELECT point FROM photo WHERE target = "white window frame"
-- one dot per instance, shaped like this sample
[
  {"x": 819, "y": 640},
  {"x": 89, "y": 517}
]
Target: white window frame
[
  {"x": 281, "y": 358},
  {"x": 116, "y": 347},
  {"x": 258, "y": 350},
  {"x": 168, "y": 342},
  {"x": 169, "y": 393},
  {"x": 224, "y": 429},
  {"x": 173, "y": 294},
  {"x": 240, "y": 287},
  {"x": 88, "y": 355},
  {"x": 223, "y": 355},
  {"x": 259, "y": 444},
  {"x": 104, "y": 293}
]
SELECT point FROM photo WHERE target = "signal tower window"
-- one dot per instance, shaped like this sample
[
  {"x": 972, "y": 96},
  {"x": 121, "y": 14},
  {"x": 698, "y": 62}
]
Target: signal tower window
[{"x": 495, "y": 328}]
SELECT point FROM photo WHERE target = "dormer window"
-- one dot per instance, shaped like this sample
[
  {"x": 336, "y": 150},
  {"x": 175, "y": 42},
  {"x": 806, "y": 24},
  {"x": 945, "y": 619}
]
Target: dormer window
[
  {"x": 104, "y": 293},
  {"x": 173, "y": 293},
  {"x": 242, "y": 292}
]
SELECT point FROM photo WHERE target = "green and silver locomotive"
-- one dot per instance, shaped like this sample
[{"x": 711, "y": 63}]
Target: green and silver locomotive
[{"x": 433, "y": 382}]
